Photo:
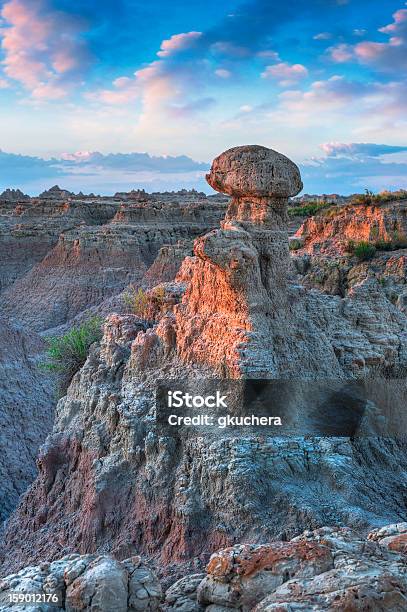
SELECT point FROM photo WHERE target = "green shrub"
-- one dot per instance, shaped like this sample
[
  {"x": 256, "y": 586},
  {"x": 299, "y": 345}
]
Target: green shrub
[
  {"x": 399, "y": 241},
  {"x": 66, "y": 354},
  {"x": 362, "y": 250},
  {"x": 384, "y": 245},
  {"x": 145, "y": 305},
  {"x": 295, "y": 244}
]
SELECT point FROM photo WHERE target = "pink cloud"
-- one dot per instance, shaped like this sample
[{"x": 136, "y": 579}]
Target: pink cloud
[
  {"x": 178, "y": 42},
  {"x": 124, "y": 90},
  {"x": 227, "y": 48},
  {"x": 223, "y": 73},
  {"x": 286, "y": 74},
  {"x": 341, "y": 53},
  {"x": 39, "y": 46},
  {"x": 400, "y": 18},
  {"x": 387, "y": 56}
]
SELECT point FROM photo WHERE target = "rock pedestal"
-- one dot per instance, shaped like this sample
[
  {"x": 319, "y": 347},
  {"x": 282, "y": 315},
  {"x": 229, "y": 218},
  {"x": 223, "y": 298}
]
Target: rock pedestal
[
  {"x": 260, "y": 182},
  {"x": 239, "y": 275}
]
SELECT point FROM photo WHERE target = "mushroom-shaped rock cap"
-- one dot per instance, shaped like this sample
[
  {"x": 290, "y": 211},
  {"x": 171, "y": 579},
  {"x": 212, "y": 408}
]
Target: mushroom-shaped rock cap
[{"x": 254, "y": 171}]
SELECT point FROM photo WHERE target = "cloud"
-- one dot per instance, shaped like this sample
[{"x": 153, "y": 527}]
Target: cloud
[
  {"x": 132, "y": 162},
  {"x": 42, "y": 48},
  {"x": 324, "y": 96},
  {"x": 359, "y": 32},
  {"x": 269, "y": 54},
  {"x": 390, "y": 56},
  {"x": 322, "y": 36},
  {"x": 285, "y": 74},
  {"x": 21, "y": 168},
  {"x": 341, "y": 53},
  {"x": 224, "y": 47},
  {"x": 177, "y": 43},
  {"x": 124, "y": 90},
  {"x": 353, "y": 149},
  {"x": 347, "y": 169},
  {"x": 98, "y": 172},
  {"x": 223, "y": 73}
]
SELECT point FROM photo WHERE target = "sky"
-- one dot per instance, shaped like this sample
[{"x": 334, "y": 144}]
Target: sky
[{"x": 103, "y": 96}]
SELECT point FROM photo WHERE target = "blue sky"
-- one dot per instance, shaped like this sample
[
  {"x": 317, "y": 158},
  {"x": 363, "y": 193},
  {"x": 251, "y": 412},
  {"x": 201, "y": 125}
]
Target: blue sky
[{"x": 319, "y": 80}]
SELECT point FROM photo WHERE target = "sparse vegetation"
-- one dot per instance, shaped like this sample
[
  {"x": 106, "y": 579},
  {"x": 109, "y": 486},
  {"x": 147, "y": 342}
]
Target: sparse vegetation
[
  {"x": 385, "y": 196},
  {"x": 308, "y": 210},
  {"x": 66, "y": 354},
  {"x": 362, "y": 250},
  {"x": 145, "y": 305},
  {"x": 384, "y": 245},
  {"x": 398, "y": 241},
  {"x": 295, "y": 244}
]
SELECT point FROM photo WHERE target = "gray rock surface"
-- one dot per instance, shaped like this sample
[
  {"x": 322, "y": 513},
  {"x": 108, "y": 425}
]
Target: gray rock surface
[
  {"x": 27, "y": 398},
  {"x": 325, "y": 569},
  {"x": 87, "y": 582}
]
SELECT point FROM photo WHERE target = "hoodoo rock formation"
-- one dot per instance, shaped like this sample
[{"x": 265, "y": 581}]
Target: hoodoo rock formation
[
  {"x": 108, "y": 483},
  {"x": 239, "y": 289}
]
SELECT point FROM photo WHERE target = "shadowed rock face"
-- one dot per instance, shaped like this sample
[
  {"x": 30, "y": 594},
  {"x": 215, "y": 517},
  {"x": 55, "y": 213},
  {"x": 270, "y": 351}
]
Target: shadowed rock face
[
  {"x": 64, "y": 258},
  {"x": 26, "y": 411}
]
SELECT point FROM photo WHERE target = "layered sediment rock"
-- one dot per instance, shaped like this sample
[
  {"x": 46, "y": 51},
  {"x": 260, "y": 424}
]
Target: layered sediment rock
[
  {"x": 30, "y": 228},
  {"x": 330, "y": 231},
  {"x": 26, "y": 414},
  {"x": 107, "y": 482},
  {"x": 93, "y": 261},
  {"x": 62, "y": 261}
]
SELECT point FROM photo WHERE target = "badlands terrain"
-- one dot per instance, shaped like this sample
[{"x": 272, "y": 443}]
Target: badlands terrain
[{"x": 102, "y": 512}]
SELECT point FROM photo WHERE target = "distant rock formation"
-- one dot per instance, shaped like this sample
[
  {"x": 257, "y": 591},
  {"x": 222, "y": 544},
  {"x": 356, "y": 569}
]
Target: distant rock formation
[
  {"x": 55, "y": 193},
  {"x": 14, "y": 195},
  {"x": 103, "y": 247}
]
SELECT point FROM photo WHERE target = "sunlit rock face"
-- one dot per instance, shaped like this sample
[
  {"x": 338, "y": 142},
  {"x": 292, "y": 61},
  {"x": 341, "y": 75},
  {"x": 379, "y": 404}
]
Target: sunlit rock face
[
  {"x": 239, "y": 289},
  {"x": 239, "y": 275},
  {"x": 329, "y": 232}
]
